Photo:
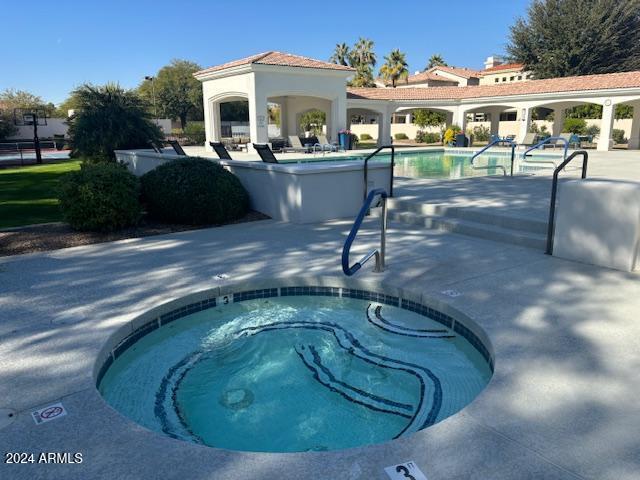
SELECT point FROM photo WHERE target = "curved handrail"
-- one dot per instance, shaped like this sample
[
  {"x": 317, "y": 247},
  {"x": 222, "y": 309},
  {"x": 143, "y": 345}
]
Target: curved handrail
[
  {"x": 379, "y": 254},
  {"x": 366, "y": 168},
  {"x": 554, "y": 191},
  {"x": 487, "y": 167},
  {"x": 547, "y": 140}
]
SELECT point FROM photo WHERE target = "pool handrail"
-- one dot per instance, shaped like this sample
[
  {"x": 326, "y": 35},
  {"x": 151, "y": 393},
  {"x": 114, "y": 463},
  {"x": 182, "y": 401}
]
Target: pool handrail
[
  {"x": 554, "y": 191},
  {"x": 378, "y": 253},
  {"x": 543, "y": 142},
  {"x": 366, "y": 169},
  {"x": 484, "y": 149}
]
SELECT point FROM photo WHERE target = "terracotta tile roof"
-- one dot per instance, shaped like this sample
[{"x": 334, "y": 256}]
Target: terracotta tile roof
[
  {"x": 277, "y": 58},
  {"x": 550, "y": 85},
  {"x": 427, "y": 76},
  {"x": 499, "y": 68},
  {"x": 459, "y": 71}
]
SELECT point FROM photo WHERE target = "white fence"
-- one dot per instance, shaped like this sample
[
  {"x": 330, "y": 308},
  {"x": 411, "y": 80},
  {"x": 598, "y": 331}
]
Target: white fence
[{"x": 58, "y": 126}]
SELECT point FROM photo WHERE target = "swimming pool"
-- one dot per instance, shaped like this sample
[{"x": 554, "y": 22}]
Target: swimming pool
[
  {"x": 296, "y": 369},
  {"x": 437, "y": 163}
]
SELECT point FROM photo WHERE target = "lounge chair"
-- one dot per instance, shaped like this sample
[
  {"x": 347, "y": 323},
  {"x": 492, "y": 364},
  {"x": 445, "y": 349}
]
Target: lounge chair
[
  {"x": 325, "y": 144},
  {"x": 296, "y": 145},
  {"x": 265, "y": 153},
  {"x": 529, "y": 140},
  {"x": 156, "y": 148},
  {"x": 220, "y": 150},
  {"x": 177, "y": 147}
]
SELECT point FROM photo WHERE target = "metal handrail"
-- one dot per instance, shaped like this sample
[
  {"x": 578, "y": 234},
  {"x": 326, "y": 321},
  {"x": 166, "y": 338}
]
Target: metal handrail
[
  {"x": 554, "y": 191},
  {"x": 540, "y": 144},
  {"x": 487, "y": 167},
  {"x": 378, "y": 253},
  {"x": 366, "y": 169}
]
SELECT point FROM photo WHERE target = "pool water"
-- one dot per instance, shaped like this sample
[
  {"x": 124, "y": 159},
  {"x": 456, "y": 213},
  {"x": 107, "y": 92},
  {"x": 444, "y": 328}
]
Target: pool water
[
  {"x": 291, "y": 374},
  {"x": 434, "y": 163}
]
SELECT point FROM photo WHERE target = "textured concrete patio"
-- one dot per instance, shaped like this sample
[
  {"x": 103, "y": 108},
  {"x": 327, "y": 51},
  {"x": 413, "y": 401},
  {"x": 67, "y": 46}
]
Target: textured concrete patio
[{"x": 563, "y": 403}]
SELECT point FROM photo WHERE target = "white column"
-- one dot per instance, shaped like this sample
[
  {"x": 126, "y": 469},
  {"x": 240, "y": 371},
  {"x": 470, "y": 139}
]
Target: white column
[
  {"x": 258, "y": 118},
  {"x": 212, "y": 124},
  {"x": 284, "y": 114},
  {"x": 558, "y": 121},
  {"x": 338, "y": 117},
  {"x": 606, "y": 126},
  {"x": 495, "y": 122},
  {"x": 460, "y": 118},
  {"x": 524, "y": 122},
  {"x": 384, "y": 130},
  {"x": 634, "y": 136}
]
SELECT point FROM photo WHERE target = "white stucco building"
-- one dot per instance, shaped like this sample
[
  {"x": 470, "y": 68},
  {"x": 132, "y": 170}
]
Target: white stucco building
[{"x": 299, "y": 84}]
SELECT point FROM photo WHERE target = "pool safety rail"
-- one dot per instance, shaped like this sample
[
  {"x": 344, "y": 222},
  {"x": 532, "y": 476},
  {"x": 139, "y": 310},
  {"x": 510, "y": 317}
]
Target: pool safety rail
[
  {"x": 546, "y": 141},
  {"x": 554, "y": 191},
  {"x": 379, "y": 254},
  {"x": 391, "y": 166},
  {"x": 497, "y": 141}
]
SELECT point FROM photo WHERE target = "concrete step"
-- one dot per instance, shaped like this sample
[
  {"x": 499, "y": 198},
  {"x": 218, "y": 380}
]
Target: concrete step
[
  {"x": 486, "y": 215},
  {"x": 467, "y": 227}
]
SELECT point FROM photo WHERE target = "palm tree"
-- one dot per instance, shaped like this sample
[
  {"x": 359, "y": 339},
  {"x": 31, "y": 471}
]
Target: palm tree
[
  {"x": 362, "y": 53},
  {"x": 436, "y": 60},
  {"x": 395, "y": 67},
  {"x": 341, "y": 54}
]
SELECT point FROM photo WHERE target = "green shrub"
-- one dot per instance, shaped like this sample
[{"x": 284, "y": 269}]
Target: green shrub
[
  {"x": 427, "y": 137},
  {"x": 401, "y": 136},
  {"x": 194, "y": 132},
  {"x": 618, "y": 136},
  {"x": 100, "y": 197},
  {"x": 109, "y": 118},
  {"x": 193, "y": 191},
  {"x": 574, "y": 125},
  {"x": 365, "y": 136},
  {"x": 481, "y": 133},
  {"x": 592, "y": 130}
]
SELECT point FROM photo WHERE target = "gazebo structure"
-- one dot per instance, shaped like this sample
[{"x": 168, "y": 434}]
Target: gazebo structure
[
  {"x": 297, "y": 84},
  {"x": 300, "y": 84}
]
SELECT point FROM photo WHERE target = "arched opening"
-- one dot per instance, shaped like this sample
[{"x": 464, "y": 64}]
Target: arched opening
[
  {"x": 367, "y": 125},
  {"x": 420, "y": 125},
  {"x": 490, "y": 121}
]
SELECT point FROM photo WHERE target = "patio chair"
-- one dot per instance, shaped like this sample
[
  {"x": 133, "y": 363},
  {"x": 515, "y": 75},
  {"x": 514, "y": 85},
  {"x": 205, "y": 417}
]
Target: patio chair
[
  {"x": 220, "y": 150},
  {"x": 324, "y": 143},
  {"x": 265, "y": 153},
  {"x": 177, "y": 147},
  {"x": 296, "y": 145},
  {"x": 156, "y": 148},
  {"x": 529, "y": 140}
]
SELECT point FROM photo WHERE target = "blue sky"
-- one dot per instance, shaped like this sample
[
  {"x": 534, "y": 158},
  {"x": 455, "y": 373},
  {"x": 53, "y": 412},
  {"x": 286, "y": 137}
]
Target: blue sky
[{"x": 86, "y": 41}]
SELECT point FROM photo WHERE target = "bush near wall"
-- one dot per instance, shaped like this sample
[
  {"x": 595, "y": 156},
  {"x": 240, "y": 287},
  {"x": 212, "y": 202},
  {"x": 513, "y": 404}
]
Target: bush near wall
[
  {"x": 365, "y": 136},
  {"x": 100, "y": 197},
  {"x": 618, "y": 136},
  {"x": 427, "y": 137},
  {"x": 401, "y": 136},
  {"x": 575, "y": 125},
  {"x": 193, "y": 191},
  {"x": 481, "y": 133},
  {"x": 194, "y": 133}
]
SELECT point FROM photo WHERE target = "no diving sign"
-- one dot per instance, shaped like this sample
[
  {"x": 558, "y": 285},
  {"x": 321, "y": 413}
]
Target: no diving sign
[
  {"x": 48, "y": 413},
  {"x": 405, "y": 471}
]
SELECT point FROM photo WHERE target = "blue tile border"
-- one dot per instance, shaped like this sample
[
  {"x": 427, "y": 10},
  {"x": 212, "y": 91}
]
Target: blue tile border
[{"x": 359, "y": 294}]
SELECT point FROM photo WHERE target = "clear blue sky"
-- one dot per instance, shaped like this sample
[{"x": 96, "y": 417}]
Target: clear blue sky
[{"x": 67, "y": 43}]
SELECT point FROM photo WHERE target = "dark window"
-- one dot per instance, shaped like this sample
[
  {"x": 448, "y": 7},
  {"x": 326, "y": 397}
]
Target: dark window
[{"x": 497, "y": 80}]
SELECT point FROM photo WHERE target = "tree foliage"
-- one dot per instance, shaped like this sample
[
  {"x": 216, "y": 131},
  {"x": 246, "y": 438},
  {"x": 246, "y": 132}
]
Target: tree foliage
[
  {"x": 341, "y": 54},
  {"x": 361, "y": 57},
  {"x": 424, "y": 118},
  {"x": 312, "y": 121},
  {"x": 177, "y": 93},
  {"x": 436, "y": 60},
  {"x": 7, "y": 127},
  {"x": 561, "y": 38},
  {"x": 11, "y": 99},
  {"x": 109, "y": 118},
  {"x": 395, "y": 68}
]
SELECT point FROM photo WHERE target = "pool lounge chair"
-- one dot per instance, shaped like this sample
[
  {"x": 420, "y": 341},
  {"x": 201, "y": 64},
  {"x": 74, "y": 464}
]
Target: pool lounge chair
[
  {"x": 220, "y": 150},
  {"x": 177, "y": 147},
  {"x": 265, "y": 153},
  {"x": 529, "y": 140},
  {"x": 325, "y": 144},
  {"x": 296, "y": 145}
]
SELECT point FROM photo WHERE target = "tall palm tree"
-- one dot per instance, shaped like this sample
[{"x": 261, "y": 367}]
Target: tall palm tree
[
  {"x": 436, "y": 60},
  {"x": 341, "y": 54},
  {"x": 363, "y": 54},
  {"x": 395, "y": 67}
]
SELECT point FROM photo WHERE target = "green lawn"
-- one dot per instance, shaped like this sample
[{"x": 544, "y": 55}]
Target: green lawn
[{"x": 28, "y": 194}]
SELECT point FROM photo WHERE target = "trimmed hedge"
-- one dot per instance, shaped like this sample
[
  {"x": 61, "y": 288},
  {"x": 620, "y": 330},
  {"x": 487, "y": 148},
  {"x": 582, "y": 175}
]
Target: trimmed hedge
[
  {"x": 401, "y": 136},
  {"x": 365, "y": 136},
  {"x": 193, "y": 191},
  {"x": 100, "y": 197}
]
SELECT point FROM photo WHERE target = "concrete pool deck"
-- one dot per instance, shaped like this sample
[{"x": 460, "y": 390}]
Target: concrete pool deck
[{"x": 563, "y": 402}]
